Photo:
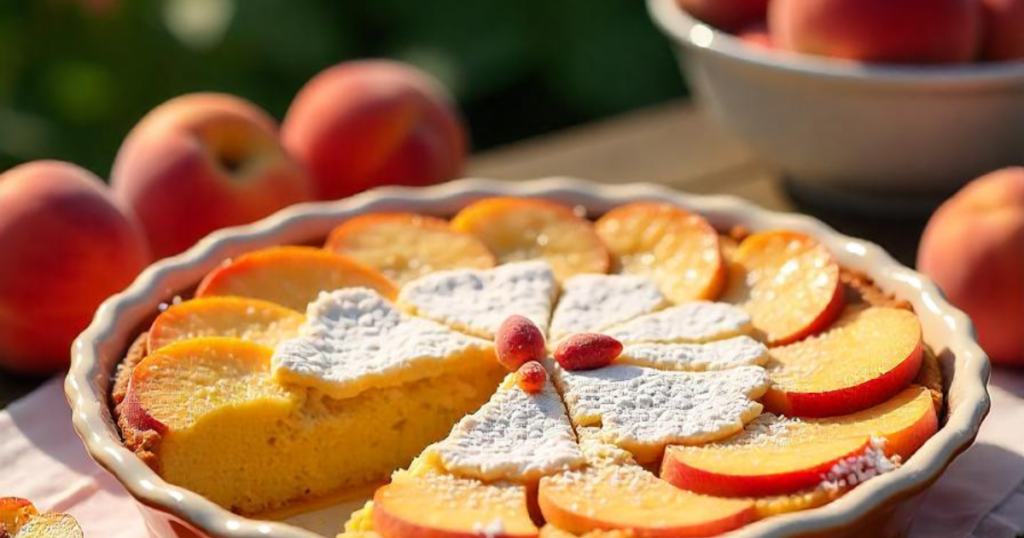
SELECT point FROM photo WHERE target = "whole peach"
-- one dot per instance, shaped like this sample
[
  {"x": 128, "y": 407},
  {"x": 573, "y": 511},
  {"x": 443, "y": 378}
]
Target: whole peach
[
  {"x": 65, "y": 245},
  {"x": 366, "y": 123},
  {"x": 908, "y": 31},
  {"x": 728, "y": 15},
  {"x": 973, "y": 248},
  {"x": 756, "y": 35},
  {"x": 1004, "y": 39},
  {"x": 202, "y": 162}
]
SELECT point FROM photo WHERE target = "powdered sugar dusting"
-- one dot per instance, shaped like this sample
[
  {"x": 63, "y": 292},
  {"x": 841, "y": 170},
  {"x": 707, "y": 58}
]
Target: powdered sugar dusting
[
  {"x": 590, "y": 302},
  {"x": 854, "y": 470},
  {"x": 515, "y": 436},
  {"x": 476, "y": 301},
  {"x": 642, "y": 410},
  {"x": 717, "y": 355},
  {"x": 354, "y": 339},
  {"x": 700, "y": 321}
]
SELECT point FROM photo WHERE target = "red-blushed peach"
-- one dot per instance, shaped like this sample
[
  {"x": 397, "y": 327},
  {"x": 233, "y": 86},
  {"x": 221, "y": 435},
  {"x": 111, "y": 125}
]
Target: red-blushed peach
[
  {"x": 909, "y": 31},
  {"x": 756, "y": 35},
  {"x": 367, "y": 123},
  {"x": 202, "y": 162},
  {"x": 728, "y": 15},
  {"x": 65, "y": 245},
  {"x": 1004, "y": 29},
  {"x": 973, "y": 248}
]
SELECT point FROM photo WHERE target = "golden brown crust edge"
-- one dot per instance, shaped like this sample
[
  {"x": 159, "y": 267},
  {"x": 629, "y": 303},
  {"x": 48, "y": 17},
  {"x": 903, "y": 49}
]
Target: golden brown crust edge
[{"x": 142, "y": 442}]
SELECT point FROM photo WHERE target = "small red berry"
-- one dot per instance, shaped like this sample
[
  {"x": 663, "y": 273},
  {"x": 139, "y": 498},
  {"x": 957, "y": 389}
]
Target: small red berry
[
  {"x": 517, "y": 342},
  {"x": 587, "y": 351},
  {"x": 531, "y": 377}
]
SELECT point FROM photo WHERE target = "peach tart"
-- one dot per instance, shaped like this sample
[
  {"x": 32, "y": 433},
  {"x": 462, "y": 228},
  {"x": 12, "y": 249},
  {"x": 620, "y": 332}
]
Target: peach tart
[{"x": 522, "y": 371}]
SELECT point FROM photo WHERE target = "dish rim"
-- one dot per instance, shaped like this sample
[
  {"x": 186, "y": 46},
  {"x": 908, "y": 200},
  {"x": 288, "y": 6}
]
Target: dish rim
[
  {"x": 88, "y": 400},
  {"x": 682, "y": 27}
]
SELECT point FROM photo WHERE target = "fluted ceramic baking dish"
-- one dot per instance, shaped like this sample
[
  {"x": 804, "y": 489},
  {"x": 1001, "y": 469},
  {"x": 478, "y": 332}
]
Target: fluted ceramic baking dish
[{"x": 880, "y": 507}]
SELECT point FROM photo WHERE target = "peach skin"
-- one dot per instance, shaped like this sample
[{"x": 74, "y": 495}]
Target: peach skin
[
  {"x": 202, "y": 162},
  {"x": 65, "y": 246},
  {"x": 910, "y": 31},
  {"x": 973, "y": 248},
  {"x": 728, "y": 15},
  {"x": 368, "y": 123},
  {"x": 1004, "y": 30}
]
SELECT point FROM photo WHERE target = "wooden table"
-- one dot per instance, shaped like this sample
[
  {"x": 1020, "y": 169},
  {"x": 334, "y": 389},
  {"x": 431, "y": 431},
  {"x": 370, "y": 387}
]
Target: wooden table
[{"x": 672, "y": 144}]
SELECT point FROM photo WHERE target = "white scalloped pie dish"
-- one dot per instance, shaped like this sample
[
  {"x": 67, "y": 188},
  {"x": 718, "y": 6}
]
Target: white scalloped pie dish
[{"x": 883, "y": 506}]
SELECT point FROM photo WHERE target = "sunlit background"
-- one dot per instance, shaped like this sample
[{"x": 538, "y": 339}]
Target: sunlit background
[{"x": 75, "y": 75}]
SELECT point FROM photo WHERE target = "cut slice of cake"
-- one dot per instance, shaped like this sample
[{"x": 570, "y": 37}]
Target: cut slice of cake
[
  {"x": 477, "y": 301},
  {"x": 516, "y": 436},
  {"x": 642, "y": 410},
  {"x": 354, "y": 340},
  {"x": 590, "y": 303},
  {"x": 208, "y": 415}
]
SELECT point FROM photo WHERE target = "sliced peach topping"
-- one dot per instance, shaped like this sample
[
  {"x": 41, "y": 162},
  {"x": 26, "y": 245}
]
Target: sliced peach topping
[
  {"x": 50, "y": 525},
  {"x": 257, "y": 321},
  {"x": 676, "y": 249},
  {"x": 14, "y": 513},
  {"x": 432, "y": 505},
  {"x": 517, "y": 229},
  {"x": 865, "y": 358},
  {"x": 406, "y": 246},
  {"x": 631, "y": 499},
  {"x": 783, "y": 456},
  {"x": 183, "y": 381},
  {"x": 788, "y": 282},
  {"x": 291, "y": 276}
]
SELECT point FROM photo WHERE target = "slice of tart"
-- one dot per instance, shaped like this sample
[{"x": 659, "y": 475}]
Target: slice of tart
[
  {"x": 190, "y": 402},
  {"x": 592, "y": 303}
]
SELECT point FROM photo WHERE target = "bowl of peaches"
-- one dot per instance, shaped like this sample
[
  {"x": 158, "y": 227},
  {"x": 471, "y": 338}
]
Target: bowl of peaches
[
  {"x": 551, "y": 358},
  {"x": 869, "y": 97}
]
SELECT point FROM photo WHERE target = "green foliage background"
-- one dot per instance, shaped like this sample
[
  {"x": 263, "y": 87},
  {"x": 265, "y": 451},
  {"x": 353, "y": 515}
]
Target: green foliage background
[{"x": 75, "y": 75}]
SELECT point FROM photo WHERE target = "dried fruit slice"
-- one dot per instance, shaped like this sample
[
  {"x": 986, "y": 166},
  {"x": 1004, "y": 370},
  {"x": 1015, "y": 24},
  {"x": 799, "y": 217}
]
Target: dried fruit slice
[
  {"x": 50, "y": 525},
  {"x": 677, "y": 249},
  {"x": 432, "y": 505},
  {"x": 291, "y": 276},
  {"x": 865, "y": 358},
  {"x": 788, "y": 282},
  {"x": 257, "y": 321},
  {"x": 517, "y": 229},
  {"x": 629, "y": 498},
  {"x": 777, "y": 456},
  {"x": 406, "y": 246},
  {"x": 14, "y": 513}
]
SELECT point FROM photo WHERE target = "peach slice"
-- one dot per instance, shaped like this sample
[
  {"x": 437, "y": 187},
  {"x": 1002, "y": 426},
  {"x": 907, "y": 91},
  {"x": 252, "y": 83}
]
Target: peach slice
[
  {"x": 517, "y": 229},
  {"x": 788, "y": 282},
  {"x": 868, "y": 356},
  {"x": 676, "y": 249},
  {"x": 257, "y": 321},
  {"x": 406, "y": 246},
  {"x": 435, "y": 505},
  {"x": 180, "y": 383},
  {"x": 14, "y": 513},
  {"x": 50, "y": 525},
  {"x": 780, "y": 456},
  {"x": 629, "y": 498},
  {"x": 291, "y": 276}
]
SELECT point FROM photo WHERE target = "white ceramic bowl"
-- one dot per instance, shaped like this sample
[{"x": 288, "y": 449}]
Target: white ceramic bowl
[
  {"x": 881, "y": 507},
  {"x": 847, "y": 126}
]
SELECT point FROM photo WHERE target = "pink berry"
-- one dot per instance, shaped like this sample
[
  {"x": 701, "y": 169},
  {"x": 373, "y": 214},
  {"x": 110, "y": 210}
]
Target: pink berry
[
  {"x": 531, "y": 377},
  {"x": 517, "y": 342},
  {"x": 587, "y": 351}
]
